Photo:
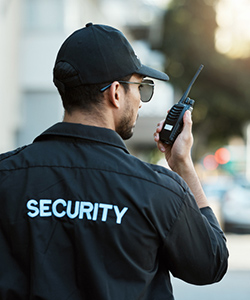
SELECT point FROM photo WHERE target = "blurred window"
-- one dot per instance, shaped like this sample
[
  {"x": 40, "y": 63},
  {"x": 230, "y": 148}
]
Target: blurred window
[
  {"x": 43, "y": 15},
  {"x": 40, "y": 109}
]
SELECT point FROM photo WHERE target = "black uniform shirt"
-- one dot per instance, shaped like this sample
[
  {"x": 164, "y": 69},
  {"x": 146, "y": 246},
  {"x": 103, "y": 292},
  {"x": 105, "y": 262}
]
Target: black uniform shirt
[{"x": 81, "y": 218}]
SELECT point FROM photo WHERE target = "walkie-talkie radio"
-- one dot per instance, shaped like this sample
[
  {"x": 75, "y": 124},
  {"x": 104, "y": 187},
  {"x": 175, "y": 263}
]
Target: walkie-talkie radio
[{"x": 174, "y": 121}]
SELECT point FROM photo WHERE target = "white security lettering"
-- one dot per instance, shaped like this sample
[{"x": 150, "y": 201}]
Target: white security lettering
[
  {"x": 69, "y": 209},
  {"x": 95, "y": 212},
  {"x": 44, "y": 208},
  {"x": 105, "y": 210},
  {"x": 54, "y": 208},
  {"x": 35, "y": 209},
  {"x": 119, "y": 214},
  {"x": 74, "y": 209},
  {"x": 85, "y": 208}
]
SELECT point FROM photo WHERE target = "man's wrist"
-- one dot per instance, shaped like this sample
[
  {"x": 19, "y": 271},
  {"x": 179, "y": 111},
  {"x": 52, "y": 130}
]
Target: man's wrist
[
  {"x": 188, "y": 173},
  {"x": 184, "y": 167}
]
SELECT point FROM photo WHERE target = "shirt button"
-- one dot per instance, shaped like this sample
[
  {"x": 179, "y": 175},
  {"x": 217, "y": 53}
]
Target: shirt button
[{"x": 89, "y": 24}]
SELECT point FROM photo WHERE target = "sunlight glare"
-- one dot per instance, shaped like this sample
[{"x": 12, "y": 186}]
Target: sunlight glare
[
  {"x": 160, "y": 3},
  {"x": 233, "y": 33}
]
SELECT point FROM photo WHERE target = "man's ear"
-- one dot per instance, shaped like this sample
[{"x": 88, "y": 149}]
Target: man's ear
[{"x": 115, "y": 93}]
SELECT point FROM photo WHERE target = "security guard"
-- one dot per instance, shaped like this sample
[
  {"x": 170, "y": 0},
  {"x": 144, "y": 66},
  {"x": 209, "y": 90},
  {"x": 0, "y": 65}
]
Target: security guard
[{"x": 81, "y": 218}]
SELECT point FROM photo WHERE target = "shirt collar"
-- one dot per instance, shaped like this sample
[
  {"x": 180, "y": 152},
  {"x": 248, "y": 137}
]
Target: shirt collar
[{"x": 91, "y": 133}]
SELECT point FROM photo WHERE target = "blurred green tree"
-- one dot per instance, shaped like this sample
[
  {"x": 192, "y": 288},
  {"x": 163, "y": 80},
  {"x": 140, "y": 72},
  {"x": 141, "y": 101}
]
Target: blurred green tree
[{"x": 221, "y": 91}]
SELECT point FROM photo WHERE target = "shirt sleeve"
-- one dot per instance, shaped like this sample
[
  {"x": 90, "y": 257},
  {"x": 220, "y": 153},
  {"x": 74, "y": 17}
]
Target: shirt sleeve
[{"x": 195, "y": 248}]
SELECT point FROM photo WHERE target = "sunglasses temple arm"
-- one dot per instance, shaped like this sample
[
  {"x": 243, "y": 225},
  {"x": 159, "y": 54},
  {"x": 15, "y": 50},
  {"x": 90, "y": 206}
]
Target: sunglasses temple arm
[{"x": 105, "y": 88}]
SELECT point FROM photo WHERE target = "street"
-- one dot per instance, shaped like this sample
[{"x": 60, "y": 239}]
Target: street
[{"x": 236, "y": 283}]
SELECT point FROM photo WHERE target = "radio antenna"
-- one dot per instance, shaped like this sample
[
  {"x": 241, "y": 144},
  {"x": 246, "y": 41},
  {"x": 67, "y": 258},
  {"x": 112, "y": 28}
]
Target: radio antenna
[{"x": 183, "y": 98}]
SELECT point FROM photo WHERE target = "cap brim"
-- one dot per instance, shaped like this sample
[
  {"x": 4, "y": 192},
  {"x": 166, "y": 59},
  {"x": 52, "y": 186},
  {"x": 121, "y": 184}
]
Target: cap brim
[{"x": 152, "y": 73}]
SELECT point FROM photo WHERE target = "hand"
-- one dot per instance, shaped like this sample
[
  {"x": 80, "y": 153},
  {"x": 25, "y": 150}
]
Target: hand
[
  {"x": 180, "y": 152},
  {"x": 179, "y": 158}
]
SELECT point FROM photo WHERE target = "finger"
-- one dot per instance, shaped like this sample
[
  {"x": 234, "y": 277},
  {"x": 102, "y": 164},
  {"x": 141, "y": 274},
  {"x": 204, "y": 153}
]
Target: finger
[
  {"x": 187, "y": 128},
  {"x": 158, "y": 130},
  {"x": 161, "y": 146},
  {"x": 188, "y": 121},
  {"x": 159, "y": 126},
  {"x": 156, "y": 137}
]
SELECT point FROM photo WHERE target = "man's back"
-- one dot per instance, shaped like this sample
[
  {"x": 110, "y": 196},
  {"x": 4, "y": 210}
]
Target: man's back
[{"x": 83, "y": 219}]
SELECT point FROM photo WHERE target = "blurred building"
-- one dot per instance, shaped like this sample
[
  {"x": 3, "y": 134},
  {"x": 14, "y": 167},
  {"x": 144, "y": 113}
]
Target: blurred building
[{"x": 32, "y": 32}]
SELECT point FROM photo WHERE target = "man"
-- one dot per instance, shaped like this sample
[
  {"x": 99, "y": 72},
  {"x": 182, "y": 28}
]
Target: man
[{"x": 80, "y": 217}]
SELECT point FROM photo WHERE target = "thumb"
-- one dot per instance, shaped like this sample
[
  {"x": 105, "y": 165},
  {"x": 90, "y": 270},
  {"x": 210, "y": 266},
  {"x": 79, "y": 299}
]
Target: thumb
[
  {"x": 187, "y": 121},
  {"x": 187, "y": 127}
]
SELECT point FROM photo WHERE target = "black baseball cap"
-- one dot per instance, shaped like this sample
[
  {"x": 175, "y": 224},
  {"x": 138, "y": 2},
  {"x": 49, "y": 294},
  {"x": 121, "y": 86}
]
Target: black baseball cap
[{"x": 100, "y": 54}]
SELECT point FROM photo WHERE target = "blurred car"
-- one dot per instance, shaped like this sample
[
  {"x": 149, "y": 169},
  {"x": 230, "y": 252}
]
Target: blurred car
[
  {"x": 215, "y": 190},
  {"x": 235, "y": 209}
]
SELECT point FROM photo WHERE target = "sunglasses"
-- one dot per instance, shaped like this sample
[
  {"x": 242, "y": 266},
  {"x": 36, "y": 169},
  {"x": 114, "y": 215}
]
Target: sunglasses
[{"x": 146, "y": 88}]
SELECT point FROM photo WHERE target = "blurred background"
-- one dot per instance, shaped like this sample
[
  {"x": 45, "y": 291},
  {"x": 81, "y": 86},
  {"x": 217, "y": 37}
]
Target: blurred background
[{"x": 172, "y": 36}]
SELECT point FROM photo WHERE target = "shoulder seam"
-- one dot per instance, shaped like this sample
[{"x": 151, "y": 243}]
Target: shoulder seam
[
  {"x": 103, "y": 170},
  {"x": 11, "y": 153}
]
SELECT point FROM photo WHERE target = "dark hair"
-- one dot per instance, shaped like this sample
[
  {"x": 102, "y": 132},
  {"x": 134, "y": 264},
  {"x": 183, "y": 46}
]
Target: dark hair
[{"x": 83, "y": 97}]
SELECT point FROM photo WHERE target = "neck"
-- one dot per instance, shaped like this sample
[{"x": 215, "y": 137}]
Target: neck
[{"x": 88, "y": 118}]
